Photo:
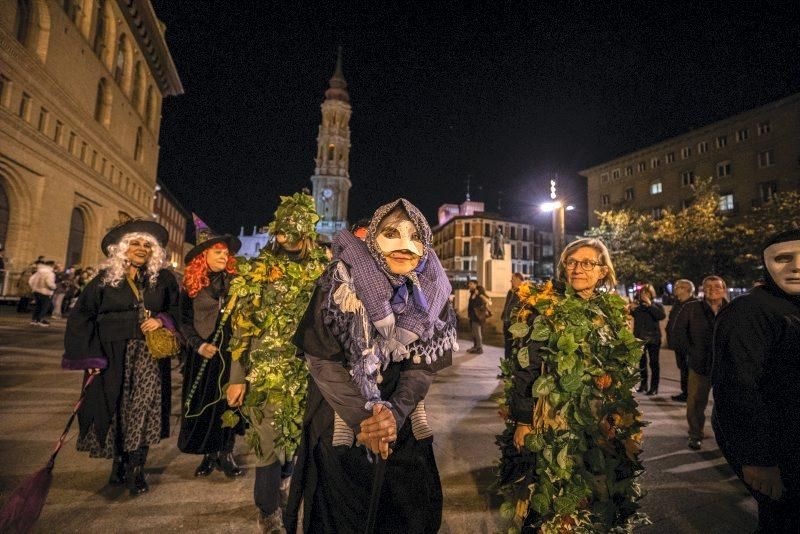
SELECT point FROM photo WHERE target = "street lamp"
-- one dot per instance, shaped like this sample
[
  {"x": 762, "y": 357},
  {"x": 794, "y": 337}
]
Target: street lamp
[{"x": 558, "y": 208}]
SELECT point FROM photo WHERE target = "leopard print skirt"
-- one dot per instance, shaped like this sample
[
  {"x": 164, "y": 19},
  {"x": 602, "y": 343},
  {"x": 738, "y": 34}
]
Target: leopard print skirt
[{"x": 137, "y": 422}]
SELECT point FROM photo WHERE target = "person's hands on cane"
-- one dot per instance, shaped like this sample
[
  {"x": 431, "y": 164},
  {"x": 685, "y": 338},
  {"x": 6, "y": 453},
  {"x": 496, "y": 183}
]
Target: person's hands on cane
[
  {"x": 764, "y": 479},
  {"x": 378, "y": 431},
  {"x": 207, "y": 350}
]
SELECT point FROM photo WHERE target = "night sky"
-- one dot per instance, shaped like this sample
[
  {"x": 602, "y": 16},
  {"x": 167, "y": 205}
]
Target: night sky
[{"x": 507, "y": 96}]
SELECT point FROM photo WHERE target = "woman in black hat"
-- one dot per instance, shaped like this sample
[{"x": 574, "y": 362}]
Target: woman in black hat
[
  {"x": 127, "y": 406},
  {"x": 209, "y": 269}
]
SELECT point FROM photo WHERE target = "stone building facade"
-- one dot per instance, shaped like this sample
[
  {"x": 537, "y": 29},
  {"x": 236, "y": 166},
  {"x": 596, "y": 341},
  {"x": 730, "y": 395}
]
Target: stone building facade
[
  {"x": 751, "y": 156},
  {"x": 81, "y": 87},
  {"x": 170, "y": 214},
  {"x": 331, "y": 179}
]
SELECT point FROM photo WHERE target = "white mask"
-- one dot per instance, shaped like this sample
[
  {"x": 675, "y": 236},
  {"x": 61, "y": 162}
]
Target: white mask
[
  {"x": 783, "y": 263},
  {"x": 398, "y": 236}
]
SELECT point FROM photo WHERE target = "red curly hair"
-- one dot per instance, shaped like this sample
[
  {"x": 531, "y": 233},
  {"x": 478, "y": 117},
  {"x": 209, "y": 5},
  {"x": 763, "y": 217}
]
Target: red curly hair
[{"x": 195, "y": 277}]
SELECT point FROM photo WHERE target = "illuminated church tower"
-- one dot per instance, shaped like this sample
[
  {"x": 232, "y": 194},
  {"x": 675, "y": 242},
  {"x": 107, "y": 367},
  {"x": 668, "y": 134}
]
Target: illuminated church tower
[{"x": 331, "y": 180}]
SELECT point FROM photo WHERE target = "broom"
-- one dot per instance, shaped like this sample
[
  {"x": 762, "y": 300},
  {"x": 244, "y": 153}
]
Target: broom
[{"x": 23, "y": 507}]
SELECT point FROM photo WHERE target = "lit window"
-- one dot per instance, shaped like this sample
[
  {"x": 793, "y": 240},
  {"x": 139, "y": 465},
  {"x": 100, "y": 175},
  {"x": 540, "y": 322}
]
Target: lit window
[
  {"x": 656, "y": 188},
  {"x": 702, "y": 147},
  {"x": 726, "y": 202},
  {"x": 763, "y": 128},
  {"x": 722, "y": 141},
  {"x": 742, "y": 135},
  {"x": 686, "y": 152},
  {"x": 687, "y": 178},
  {"x": 723, "y": 169},
  {"x": 766, "y": 159}
]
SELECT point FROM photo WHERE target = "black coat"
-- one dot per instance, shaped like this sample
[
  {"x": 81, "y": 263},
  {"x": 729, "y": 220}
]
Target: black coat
[
  {"x": 692, "y": 332},
  {"x": 677, "y": 340},
  {"x": 98, "y": 330},
  {"x": 202, "y": 432},
  {"x": 755, "y": 376},
  {"x": 646, "y": 322}
]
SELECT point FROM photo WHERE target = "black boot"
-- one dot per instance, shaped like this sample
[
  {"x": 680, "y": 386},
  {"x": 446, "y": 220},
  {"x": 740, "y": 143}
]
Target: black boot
[
  {"x": 137, "y": 484},
  {"x": 642, "y": 387},
  {"x": 118, "y": 476},
  {"x": 227, "y": 464},
  {"x": 207, "y": 465},
  {"x": 652, "y": 391}
]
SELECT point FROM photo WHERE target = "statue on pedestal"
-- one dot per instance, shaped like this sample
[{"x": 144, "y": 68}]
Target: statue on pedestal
[{"x": 498, "y": 240}]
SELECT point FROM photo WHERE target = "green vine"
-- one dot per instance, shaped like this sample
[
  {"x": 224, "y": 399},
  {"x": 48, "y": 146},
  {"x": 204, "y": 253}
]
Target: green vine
[{"x": 581, "y": 461}]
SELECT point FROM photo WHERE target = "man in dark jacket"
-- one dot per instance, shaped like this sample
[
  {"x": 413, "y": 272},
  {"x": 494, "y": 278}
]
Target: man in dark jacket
[
  {"x": 646, "y": 316},
  {"x": 512, "y": 301},
  {"x": 694, "y": 329},
  {"x": 678, "y": 340},
  {"x": 755, "y": 374}
]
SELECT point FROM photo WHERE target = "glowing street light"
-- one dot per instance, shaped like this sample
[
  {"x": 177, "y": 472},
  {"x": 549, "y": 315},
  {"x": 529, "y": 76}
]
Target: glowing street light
[{"x": 557, "y": 208}]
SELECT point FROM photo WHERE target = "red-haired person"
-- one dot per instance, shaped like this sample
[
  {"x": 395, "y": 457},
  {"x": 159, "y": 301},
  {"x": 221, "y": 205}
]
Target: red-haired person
[{"x": 209, "y": 269}]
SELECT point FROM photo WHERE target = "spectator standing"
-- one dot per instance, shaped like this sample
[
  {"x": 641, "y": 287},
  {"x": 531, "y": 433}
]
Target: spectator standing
[
  {"x": 755, "y": 374},
  {"x": 478, "y": 311},
  {"x": 677, "y": 340},
  {"x": 646, "y": 315},
  {"x": 60, "y": 291},
  {"x": 42, "y": 284},
  {"x": 697, "y": 324},
  {"x": 512, "y": 301}
]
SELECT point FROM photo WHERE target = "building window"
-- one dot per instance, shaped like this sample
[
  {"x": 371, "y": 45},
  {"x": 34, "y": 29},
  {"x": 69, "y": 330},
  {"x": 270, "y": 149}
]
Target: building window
[
  {"x": 102, "y": 105},
  {"x": 150, "y": 112},
  {"x": 103, "y": 166},
  {"x": 94, "y": 158},
  {"x": 513, "y": 252},
  {"x": 513, "y": 232},
  {"x": 766, "y": 159},
  {"x": 25, "y": 107},
  {"x": 487, "y": 230},
  {"x": 604, "y": 178},
  {"x": 642, "y": 166},
  {"x": 23, "y": 22},
  {"x": 525, "y": 268},
  {"x": 83, "y": 151},
  {"x": 465, "y": 265},
  {"x": 44, "y": 118},
  {"x": 687, "y": 178},
  {"x": 723, "y": 169},
  {"x": 656, "y": 188},
  {"x": 466, "y": 229},
  {"x": 137, "y": 148},
  {"x": 686, "y": 152},
  {"x": 71, "y": 144},
  {"x": 524, "y": 253},
  {"x": 615, "y": 174},
  {"x": 685, "y": 203},
  {"x": 722, "y": 141},
  {"x": 605, "y": 200},
  {"x": 465, "y": 248},
  {"x": 763, "y": 128},
  {"x": 657, "y": 213},
  {"x": 654, "y": 163},
  {"x": 5, "y": 91},
  {"x": 58, "y": 132},
  {"x": 726, "y": 202},
  {"x": 767, "y": 190},
  {"x": 670, "y": 157},
  {"x": 628, "y": 171},
  {"x": 702, "y": 147},
  {"x": 742, "y": 135},
  {"x": 524, "y": 234},
  {"x": 629, "y": 193},
  {"x": 120, "y": 64}
]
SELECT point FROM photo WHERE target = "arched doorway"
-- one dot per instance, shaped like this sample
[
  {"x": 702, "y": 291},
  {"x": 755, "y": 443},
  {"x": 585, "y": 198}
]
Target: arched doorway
[
  {"x": 77, "y": 233},
  {"x": 5, "y": 212}
]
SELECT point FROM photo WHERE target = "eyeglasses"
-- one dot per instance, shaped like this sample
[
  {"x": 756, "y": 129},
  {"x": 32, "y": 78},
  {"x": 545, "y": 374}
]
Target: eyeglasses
[{"x": 586, "y": 265}]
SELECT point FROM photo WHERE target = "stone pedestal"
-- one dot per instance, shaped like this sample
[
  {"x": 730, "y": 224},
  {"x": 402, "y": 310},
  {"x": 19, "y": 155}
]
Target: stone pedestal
[{"x": 494, "y": 274}]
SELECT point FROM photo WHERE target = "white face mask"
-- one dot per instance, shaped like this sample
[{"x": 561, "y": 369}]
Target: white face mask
[
  {"x": 783, "y": 263},
  {"x": 398, "y": 236}
]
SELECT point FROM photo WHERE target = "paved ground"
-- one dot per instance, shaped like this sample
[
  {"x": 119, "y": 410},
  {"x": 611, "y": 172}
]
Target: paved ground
[{"x": 687, "y": 491}]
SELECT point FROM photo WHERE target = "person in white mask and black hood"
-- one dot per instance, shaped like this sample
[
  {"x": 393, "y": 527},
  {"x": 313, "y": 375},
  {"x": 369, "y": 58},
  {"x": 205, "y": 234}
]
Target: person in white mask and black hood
[{"x": 755, "y": 376}]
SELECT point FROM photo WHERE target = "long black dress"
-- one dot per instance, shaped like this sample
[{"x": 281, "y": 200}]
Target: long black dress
[
  {"x": 201, "y": 431},
  {"x": 103, "y": 332},
  {"x": 335, "y": 482}
]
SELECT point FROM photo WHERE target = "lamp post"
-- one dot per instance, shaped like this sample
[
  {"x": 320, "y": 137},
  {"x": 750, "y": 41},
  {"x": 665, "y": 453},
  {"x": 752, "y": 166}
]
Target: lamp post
[{"x": 557, "y": 208}]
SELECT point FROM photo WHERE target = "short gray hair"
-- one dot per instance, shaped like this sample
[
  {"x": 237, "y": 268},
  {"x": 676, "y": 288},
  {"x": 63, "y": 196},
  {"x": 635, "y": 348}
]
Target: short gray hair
[
  {"x": 609, "y": 280},
  {"x": 686, "y": 282}
]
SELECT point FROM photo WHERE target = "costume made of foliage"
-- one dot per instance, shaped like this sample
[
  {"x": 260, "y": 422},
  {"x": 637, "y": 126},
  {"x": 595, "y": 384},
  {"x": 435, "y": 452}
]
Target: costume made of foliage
[
  {"x": 372, "y": 337},
  {"x": 272, "y": 292},
  {"x": 574, "y": 365}
]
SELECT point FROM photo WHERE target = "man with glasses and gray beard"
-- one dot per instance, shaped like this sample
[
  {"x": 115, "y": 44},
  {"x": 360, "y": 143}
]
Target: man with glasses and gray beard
[{"x": 677, "y": 339}]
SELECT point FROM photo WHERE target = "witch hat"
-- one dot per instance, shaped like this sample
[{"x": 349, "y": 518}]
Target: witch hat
[{"x": 205, "y": 238}]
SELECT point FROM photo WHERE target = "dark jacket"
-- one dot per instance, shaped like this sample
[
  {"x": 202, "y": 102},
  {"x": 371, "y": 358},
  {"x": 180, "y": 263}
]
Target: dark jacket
[
  {"x": 646, "y": 322},
  {"x": 677, "y": 340},
  {"x": 756, "y": 372},
  {"x": 693, "y": 331},
  {"x": 512, "y": 301},
  {"x": 476, "y": 307},
  {"x": 522, "y": 399}
]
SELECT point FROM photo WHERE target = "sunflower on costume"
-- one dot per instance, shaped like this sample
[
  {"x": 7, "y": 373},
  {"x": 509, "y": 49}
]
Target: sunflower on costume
[{"x": 578, "y": 468}]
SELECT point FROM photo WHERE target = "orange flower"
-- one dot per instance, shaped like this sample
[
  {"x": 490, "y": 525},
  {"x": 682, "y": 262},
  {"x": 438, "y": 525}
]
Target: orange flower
[
  {"x": 524, "y": 314},
  {"x": 603, "y": 382},
  {"x": 524, "y": 290},
  {"x": 275, "y": 274},
  {"x": 549, "y": 311}
]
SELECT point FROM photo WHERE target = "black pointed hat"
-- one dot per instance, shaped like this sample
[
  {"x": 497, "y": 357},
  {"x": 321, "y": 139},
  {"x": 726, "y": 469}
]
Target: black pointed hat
[
  {"x": 205, "y": 238},
  {"x": 152, "y": 228}
]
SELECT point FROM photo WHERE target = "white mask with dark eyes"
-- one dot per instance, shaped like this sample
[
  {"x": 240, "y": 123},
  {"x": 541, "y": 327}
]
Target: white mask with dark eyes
[
  {"x": 783, "y": 263},
  {"x": 399, "y": 235}
]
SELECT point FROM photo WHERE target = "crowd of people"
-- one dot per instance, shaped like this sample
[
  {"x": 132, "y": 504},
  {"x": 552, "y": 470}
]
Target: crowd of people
[
  {"x": 52, "y": 289},
  {"x": 324, "y": 359}
]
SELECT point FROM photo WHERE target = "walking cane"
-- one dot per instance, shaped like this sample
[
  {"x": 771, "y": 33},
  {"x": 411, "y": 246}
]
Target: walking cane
[
  {"x": 226, "y": 313},
  {"x": 25, "y": 504},
  {"x": 375, "y": 496}
]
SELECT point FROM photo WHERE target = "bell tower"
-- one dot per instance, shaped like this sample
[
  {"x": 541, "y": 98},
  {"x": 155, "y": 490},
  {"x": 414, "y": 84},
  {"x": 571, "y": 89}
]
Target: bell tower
[{"x": 331, "y": 179}]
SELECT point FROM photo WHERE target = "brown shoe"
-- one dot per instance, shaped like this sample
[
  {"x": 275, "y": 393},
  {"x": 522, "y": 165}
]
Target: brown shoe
[{"x": 271, "y": 524}]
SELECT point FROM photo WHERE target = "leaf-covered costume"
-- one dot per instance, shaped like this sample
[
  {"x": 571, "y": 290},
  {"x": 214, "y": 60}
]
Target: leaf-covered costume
[
  {"x": 272, "y": 292},
  {"x": 575, "y": 363}
]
